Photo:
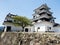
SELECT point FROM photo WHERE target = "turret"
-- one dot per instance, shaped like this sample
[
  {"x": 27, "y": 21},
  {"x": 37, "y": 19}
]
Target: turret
[{"x": 43, "y": 13}]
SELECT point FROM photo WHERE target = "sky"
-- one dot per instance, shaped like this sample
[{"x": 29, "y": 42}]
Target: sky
[{"x": 26, "y": 7}]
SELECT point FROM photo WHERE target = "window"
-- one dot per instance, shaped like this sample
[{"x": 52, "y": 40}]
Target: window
[
  {"x": 33, "y": 16},
  {"x": 9, "y": 20},
  {"x": 49, "y": 27},
  {"x": 38, "y": 27},
  {"x": 49, "y": 14},
  {"x": 26, "y": 30},
  {"x": 8, "y": 28},
  {"x": 43, "y": 9},
  {"x": 42, "y": 13}
]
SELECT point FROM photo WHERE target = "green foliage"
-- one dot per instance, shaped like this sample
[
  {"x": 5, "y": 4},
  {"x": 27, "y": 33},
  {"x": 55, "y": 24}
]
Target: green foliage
[{"x": 21, "y": 21}]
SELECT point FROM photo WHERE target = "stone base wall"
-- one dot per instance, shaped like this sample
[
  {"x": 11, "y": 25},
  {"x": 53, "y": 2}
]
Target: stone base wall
[{"x": 22, "y": 38}]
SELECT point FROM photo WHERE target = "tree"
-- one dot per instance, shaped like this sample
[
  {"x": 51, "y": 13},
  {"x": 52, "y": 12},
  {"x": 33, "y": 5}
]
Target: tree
[{"x": 21, "y": 21}]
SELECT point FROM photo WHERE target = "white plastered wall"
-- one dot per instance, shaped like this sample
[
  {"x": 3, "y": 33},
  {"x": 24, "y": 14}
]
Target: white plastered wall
[{"x": 43, "y": 26}]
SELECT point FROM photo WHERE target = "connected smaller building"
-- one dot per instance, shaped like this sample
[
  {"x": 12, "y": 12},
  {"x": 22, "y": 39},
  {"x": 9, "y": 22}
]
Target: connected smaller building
[{"x": 8, "y": 23}]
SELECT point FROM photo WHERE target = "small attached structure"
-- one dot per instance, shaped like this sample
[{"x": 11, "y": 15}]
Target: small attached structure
[{"x": 8, "y": 23}]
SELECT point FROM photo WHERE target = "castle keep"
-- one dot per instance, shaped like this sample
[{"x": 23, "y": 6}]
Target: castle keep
[{"x": 42, "y": 21}]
